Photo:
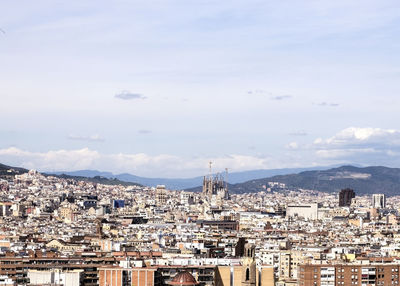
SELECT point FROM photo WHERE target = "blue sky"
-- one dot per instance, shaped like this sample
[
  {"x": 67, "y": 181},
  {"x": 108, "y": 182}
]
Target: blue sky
[{"x": 159, "y": 88}]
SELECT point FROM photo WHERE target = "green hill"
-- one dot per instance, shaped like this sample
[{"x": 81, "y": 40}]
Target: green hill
[
  {"x": 8, "y": 173},
  {"x": 96, "y": 179},
  {"x": 366, "y": 180}
]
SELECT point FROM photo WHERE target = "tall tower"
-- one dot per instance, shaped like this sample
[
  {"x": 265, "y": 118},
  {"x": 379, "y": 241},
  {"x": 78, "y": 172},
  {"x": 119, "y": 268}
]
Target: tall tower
[
  {"x": 249, "y": 272},
  {"x": 99, "y": 229},
  {"x": 378, "y": 201},
  {"x": 215, "y": 187},
  {"x": 345, "y": 197},
  {"x": 161, "y": 195},
  {"x": 208, "y": 183}
]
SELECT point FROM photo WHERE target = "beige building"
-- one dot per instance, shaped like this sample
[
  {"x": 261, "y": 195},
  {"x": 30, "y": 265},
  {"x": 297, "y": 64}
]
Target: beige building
[
  {"x": 289, "y": 262},
  {"x": 66, "y": 211},
  {"x": 115, "y": 276},
  {"x": 305, "y": 211},
  {"x": 232, "y": 275},
  {"x": 246, "y": 274},
  {"x": 63, "y": 246}
]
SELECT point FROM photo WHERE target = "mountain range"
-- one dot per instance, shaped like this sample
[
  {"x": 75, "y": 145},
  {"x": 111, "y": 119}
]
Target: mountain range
[
  {"x": 363, "y": 180},
  {"x": 186, "y": 183},
  {"x": 367, "y": 180},
  {"x": 8, "y": 173}
]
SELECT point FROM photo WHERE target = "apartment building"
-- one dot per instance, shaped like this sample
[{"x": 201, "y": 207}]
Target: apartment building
[{"x": 349, "y": 274}]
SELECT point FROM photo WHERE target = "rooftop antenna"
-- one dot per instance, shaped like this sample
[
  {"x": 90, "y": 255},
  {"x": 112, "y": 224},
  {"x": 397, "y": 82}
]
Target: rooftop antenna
[{"x": 226, "y": 178}]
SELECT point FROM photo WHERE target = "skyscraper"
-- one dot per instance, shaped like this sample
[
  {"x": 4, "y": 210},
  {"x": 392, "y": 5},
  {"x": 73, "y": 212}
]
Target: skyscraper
[
  {"x": 345, "y": 197},
  {"x": 378, "y": 201}
]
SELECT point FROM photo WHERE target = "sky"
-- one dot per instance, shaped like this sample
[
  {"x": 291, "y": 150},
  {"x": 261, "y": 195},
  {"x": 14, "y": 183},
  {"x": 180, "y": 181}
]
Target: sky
[{"x": 160, "y": 88}]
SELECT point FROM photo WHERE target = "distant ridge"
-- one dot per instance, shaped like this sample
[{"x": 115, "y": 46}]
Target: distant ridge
[
  {"x": 8, "y": 173},
  {"x": 364, "y": 180},
  {"x": 367, "y": 180},
  {"x": 97, "y": 180},
  {"x": 186, "y": 183}
]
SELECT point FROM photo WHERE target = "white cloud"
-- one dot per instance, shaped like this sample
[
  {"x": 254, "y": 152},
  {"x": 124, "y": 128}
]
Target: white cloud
[
  {"x": 292, "y": 146},
  {"x": 127, "y": 95},
  {"x": 51, "y": 160},
  {"x": 361, "y": 136},
  {"x": 353, "y": 145},
  {"x": 343, "y": 153},
  {"x": 368, "y": 146},
  {"x": 365, "y": 146},
  {"x": 139, "y": 164}
]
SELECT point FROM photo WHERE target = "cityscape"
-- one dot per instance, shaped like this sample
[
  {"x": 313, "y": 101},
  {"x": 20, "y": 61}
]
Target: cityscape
[
  {"x": 200, "y": 143},
  {"x": 62, "y": 231}
]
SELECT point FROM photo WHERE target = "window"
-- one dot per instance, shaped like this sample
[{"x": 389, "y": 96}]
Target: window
[{"x": 247, "y": 274}]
